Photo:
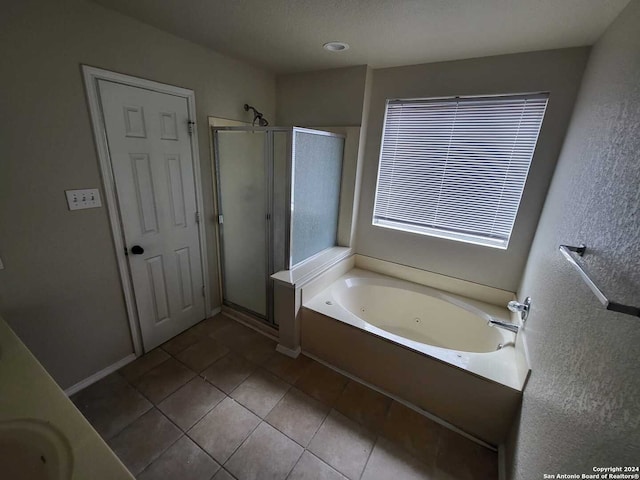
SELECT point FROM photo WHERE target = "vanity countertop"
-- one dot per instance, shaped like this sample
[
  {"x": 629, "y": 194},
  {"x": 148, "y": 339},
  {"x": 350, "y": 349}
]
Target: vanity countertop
[{"x": 27, "y": 391}]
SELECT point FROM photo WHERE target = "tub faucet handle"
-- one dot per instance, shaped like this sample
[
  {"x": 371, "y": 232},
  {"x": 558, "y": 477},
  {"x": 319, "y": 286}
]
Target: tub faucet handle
[{"x": 523, "y": 307}]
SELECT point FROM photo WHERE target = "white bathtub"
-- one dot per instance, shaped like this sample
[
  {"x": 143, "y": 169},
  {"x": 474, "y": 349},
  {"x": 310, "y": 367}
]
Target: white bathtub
[{"x": 447, "y": 327}]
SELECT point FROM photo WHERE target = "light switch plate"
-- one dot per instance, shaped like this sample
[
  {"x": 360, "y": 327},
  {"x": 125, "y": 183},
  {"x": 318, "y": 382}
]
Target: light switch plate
[{"x": 79, "y": 199}]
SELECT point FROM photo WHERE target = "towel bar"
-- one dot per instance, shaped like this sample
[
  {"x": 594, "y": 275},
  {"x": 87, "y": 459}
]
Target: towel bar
[{"x": 609, "y": 305}]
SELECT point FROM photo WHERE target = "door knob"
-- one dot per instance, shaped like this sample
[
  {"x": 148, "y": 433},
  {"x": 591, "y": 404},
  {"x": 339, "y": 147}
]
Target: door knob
[{"x": 137, "y": 250}]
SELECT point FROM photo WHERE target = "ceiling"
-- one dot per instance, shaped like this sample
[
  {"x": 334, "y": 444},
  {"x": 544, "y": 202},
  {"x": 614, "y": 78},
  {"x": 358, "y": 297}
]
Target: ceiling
[{"x": 286, "y": 36}]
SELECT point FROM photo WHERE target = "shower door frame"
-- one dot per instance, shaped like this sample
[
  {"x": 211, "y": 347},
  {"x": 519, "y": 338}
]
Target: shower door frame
[{"x": 269, "y": 177}]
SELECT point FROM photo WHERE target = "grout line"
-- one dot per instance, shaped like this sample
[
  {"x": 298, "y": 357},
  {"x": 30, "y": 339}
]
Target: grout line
[
  {"x": 225, "y": 471},
  {"x": 182, "y": 434},
  {"x": 324, "y": 419},
  {"x": 364, "y": 467},
  {"x": 286, "y": 435},
  {"x": 248, "y": 408},
  {"x": 247, "y": 438},
  {"x": 295, "y": 464}
]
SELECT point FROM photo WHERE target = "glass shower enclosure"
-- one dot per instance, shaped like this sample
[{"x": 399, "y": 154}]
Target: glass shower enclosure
[{"x": 278, "y": 192}]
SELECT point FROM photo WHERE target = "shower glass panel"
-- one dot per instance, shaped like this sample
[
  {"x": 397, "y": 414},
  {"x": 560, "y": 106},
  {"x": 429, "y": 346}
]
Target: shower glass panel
[
  {"x": 317, "y": 173},
  {"x": 243, "y": 202},
  {"x": 278, "y": 193}
]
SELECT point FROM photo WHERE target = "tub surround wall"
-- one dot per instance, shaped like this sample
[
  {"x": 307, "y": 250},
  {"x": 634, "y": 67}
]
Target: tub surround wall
[
  {"x": 581, "y": 406},
  {"x": 494, "y": 296},
  {"x": 60, "y": 289},
  {"x": 555, "y": 71},
  {"x": 350, "y": 183}
]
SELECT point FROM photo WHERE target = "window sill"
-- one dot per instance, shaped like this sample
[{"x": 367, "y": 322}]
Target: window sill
[{"x": 431, "y": 232}]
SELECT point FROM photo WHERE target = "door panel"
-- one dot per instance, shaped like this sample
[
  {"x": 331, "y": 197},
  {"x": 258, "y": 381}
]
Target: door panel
[
  {"x": 240, "y": 157},
  {"x": 152, "y": 162}
]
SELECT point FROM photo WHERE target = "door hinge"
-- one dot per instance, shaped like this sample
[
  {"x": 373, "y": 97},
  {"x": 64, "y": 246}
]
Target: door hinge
[
  {"x": 197, "y": 217},
  {"x": 190, "y": 125},
  {"x": 220, "y": 219},
  {"x": 203, "y": 294}
]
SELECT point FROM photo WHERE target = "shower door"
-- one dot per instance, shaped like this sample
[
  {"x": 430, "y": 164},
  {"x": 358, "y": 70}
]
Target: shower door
[
  {"x": 251, "y": 206},
  {"x": 243, "y": 208}
]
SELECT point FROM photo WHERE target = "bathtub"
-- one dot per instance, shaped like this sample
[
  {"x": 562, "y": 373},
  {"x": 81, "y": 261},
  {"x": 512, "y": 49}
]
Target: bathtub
[{"x": 431, "y": 348}]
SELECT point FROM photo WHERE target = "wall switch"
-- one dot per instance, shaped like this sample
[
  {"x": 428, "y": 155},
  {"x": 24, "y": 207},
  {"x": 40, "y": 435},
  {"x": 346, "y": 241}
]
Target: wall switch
[{"x": 79, "y": 199}]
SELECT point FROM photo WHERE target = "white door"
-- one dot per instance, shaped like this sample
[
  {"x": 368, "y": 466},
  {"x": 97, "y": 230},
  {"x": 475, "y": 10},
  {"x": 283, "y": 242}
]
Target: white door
[{"x": 150, "y": 151}]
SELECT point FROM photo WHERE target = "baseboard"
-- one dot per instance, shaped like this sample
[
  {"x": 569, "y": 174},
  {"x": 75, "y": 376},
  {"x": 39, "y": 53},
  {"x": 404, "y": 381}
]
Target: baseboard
[
  {"x": 289, "y": 352},
  {"x": 215, "y": 311},
  {"x": 99, "y": 375}
]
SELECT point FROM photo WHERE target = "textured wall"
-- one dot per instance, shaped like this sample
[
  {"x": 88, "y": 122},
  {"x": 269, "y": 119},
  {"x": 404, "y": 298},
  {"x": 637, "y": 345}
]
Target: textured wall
[
  {"x": 60, "y": 288},
  {"x": 321, "y": 99},
  {"x": 555, "y": 71},
  {"x": 581, "y": 407}
]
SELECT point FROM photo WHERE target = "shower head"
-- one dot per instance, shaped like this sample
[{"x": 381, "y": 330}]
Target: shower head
[{"x": 257, "y": 116}]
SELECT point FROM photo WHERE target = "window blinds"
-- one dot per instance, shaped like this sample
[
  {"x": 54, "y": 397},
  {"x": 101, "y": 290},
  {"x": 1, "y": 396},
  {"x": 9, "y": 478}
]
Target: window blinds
[{"x": 456, "y": 168}]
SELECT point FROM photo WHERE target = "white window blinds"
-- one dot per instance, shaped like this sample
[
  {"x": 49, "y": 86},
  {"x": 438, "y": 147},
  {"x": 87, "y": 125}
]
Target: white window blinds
[{"x": 456, "y": 168}]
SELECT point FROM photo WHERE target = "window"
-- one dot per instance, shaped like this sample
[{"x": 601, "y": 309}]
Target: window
[{"x": 455, "y": 168}]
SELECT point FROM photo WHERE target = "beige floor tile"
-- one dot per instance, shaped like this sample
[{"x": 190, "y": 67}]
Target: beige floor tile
[
  {"x": 298, "y": 416},
  {"x": 389, "y": 461},
  {"x": 463, "y": 459},
  {"x": 191, "y": 402},
  {"x": 223, "y": 429},
  {"x": 412, "y": 431},
  {"x": 246, "y": 341},
  {"x": 287, "y": 368},
  {"x": 163, "y": 380},
  {"x": 178, "y": 343},
  {"x": 310, "y": 467},
  {"x": 184, "y": 460},
  {"x": 232, "y": 334},
  {"x": 143, "y": 364},
  {"x": 111, "y": 404},
  {"x": 322, "y": 383},
  {"x": 267, "y": 454},
  {"x": 343, "y": 444},
  {"x": 212, "y": 325},
  {"x": 202, "y": 354},
  {"x": 144, "y": 440},
  {"x": 256, "y": 348},
  {"x": 363, "y": 405},
  {"x": 260, "y": 392},
  {"x": 229, "y": 372}
]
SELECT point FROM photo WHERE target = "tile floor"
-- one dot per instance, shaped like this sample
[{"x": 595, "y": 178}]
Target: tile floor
[{"x": 217, "y": 402}]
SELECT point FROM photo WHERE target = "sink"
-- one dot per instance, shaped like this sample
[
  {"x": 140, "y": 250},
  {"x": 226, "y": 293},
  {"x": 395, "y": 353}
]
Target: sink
[{"x": 34, "y": 450}]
